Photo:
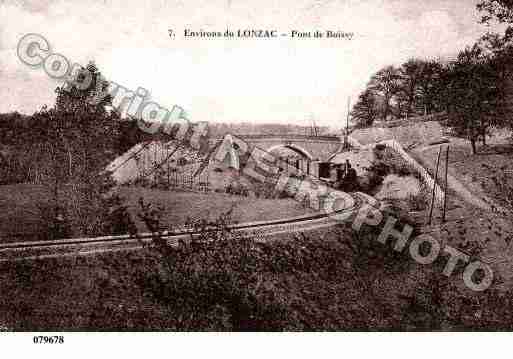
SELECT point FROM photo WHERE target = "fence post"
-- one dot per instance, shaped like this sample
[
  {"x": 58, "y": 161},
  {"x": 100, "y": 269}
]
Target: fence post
[
  {"x": 435, "y": 176},
  {"x": 445, "y": 187}
]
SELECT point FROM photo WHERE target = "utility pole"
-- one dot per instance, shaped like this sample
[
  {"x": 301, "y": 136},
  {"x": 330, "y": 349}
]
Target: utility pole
[
  {"x": 445, "y": 187},
  {"x": 314, "y": 127},
  {"x": 434, "y": 186},
  {"x": 167, "y": 160},
  {"x": 346, "y": 137}
]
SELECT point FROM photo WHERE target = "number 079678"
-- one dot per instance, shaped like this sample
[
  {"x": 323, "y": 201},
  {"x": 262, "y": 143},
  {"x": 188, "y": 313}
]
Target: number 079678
[{"x": 44, "y": 339}]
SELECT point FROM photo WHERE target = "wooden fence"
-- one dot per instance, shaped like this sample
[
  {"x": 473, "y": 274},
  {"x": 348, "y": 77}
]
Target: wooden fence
[
  {"x": 185, "y": 180},
  {"x": 428, "y": 179}
]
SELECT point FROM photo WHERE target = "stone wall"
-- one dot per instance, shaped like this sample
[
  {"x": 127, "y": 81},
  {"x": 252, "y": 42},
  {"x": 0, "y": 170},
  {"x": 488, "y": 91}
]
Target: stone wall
[{"x": 406, "y": 135}]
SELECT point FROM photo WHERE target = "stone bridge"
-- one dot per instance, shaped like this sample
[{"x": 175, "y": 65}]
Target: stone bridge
[{"x": 312, "y": 148}]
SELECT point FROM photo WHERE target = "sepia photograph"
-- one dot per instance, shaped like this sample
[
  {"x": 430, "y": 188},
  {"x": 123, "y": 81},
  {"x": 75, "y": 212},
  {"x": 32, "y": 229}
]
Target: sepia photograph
[{"x": 238, "y": 166}]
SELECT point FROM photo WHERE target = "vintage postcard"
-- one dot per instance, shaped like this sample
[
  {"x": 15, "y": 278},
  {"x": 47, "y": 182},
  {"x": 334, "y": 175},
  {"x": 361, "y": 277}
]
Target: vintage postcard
[{"x": 243, "y": 166}]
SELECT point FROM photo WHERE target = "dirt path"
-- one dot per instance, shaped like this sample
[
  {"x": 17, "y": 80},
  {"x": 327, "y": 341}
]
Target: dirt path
[
  {"x": 486, "y": 229},
  {"x": 459, "y": 188}
]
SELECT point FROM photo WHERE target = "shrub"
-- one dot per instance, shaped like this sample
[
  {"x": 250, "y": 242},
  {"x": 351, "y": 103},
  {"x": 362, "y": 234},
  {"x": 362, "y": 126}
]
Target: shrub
[
  {"x": 369, "y": 183},
  {"x": 380, "y": 169},
  {"x": 380, "y": 147},
  {"x": 54, "y": 222},
  {"x": 219, "y": 280},
  {"x": 402, "y": 169},
  {"x": 237, "y": 189},
  {"x": 419, "y": 201}
]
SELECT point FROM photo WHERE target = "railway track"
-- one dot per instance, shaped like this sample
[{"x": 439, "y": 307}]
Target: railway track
[
  {"x": 35, "y": 250},
  {"x": 86, "y": 246}
]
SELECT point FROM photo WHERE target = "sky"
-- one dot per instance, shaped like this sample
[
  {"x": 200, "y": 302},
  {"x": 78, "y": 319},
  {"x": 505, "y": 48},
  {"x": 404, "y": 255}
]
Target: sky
[{"x": 283, "y": 80}]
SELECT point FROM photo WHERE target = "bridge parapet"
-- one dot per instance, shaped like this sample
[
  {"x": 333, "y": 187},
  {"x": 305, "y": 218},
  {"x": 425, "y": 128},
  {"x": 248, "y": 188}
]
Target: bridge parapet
[
  {"x": 293, "y": 137},
  {"x": 310, "y": 147}
]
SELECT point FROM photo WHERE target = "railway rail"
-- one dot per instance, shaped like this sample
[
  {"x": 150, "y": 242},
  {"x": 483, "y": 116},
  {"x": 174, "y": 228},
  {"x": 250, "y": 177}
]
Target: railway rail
[{"x": 85, "y": 246}]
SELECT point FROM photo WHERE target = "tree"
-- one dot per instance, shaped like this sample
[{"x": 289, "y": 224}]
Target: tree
[
  {"x": 385, "y": 84},
  {"x": 500, "y": 55},
  {"x": 365, "y": 110},
  {"x": 409, "y": 77},
  {"x": 80, "y": 139},
  {"x": 472, "y": 95},
  {"x": 428, "y": 99},
  {"x": 413, "y": 88},
  {"x": 500, "y": 11}
]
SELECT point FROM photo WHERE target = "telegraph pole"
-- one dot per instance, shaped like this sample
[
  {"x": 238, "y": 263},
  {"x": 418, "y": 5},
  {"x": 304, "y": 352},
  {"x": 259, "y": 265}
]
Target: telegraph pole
[
  {"x": 434, "y": 186},
  {"x": 314, "y": 127},
  {"x": 445, "y": 187},
  {"x": 346, "y": 137}
]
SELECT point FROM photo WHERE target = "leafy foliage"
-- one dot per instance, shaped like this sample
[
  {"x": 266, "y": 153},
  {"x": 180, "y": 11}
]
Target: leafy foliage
[
  {"x": 385, "y": 83},
  {"x": 220, "y": 280},
  {"x": 500, "y": 11},
  {"x": 66, "y": 148},
  {"x": 413, "y": 88},
  {"x": 473, "y": 97},
  {"x": 365, "y": 110}
]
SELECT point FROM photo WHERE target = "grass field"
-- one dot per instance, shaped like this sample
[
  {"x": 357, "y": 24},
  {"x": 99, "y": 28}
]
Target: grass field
[
  {"x": 20, "y": 216},
  {"x": 180, "y": 205}
]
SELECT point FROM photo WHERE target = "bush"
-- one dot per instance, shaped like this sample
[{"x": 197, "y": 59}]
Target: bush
[
  {"x": 419, "y": 201},
  {"x": 380, "y": 169},
  {"x": 55, "y": 222},
  {"x": 218, "y": 280},
  {"x": 369, "y": 183},
  {"x": 237, "y": 189},
  {"x": 380, "y": 147},
  {"x": 402, "y": 169}
]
